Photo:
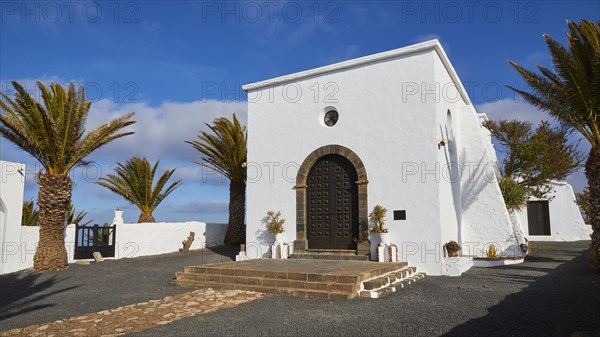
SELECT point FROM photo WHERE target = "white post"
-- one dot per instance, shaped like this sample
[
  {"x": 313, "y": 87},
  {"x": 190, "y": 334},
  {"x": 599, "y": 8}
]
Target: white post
[{"x": 118, "y": 220}]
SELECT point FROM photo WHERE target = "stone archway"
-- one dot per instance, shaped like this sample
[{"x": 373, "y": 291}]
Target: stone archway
[{"x": 301, "y": 243}]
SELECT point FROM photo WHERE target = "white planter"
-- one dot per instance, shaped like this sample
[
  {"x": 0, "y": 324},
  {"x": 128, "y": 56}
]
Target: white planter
[
  {"x": 279, "y": 238},
  {"x": 385, "y": 238},
  {"x": 376, "y": 239}
]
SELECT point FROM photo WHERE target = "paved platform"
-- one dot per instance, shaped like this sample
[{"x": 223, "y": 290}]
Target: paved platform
[{"x": 297, "y": 277}]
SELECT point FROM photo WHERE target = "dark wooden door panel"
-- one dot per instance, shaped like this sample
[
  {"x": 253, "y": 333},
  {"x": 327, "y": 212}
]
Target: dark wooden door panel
[
  {"x": 538, "y": 217},
  {"x": 332, "y": 204}
]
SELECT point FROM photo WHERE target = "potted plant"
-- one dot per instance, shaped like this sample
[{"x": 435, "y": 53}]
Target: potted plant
[
  {"x": 274, "y": 223},
  {"x": 379, "y": 233},
  {"x": 452, "y": 248}
]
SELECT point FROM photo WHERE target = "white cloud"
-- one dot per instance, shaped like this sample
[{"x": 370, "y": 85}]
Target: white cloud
[
  {"x": 200, "y": 174},
  {"x": 160, "y": 132},
  {"x": 513, "y": 109},
  {"x": 203, "y": 206}
]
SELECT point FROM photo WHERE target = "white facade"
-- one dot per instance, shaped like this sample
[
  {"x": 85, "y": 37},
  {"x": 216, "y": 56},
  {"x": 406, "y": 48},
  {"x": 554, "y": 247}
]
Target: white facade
[
  {"x": 406, "y": 116},
  {"x": 566, "y": 222},
  {"x": 12, "y": 182}
]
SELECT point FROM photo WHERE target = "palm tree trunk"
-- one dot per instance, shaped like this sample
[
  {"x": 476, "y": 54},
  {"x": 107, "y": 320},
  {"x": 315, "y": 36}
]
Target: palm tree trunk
[
  {"x": 592, "y": 172},
  {"x": 54, "y": 198},
  {"x": 144, "y": 218},
  {"x": 236, "y": 230}
]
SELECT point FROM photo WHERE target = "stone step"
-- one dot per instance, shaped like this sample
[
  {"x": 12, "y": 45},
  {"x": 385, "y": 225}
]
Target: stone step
[
  {"x": 312, "y": 293},
  {"x": 403, "y": 273},
  {"x": 389, "y": 283},
  {"x": 300, "y": 276},
  {"x": 377, "y": 293},
  {"x": 297, "y": 277},
  {"x": 377, "y": 283},
  {"x": 332, "y": 251},
  {"x": 329, "y": 256},
  {"x": 383, "y": 268},
  {"x": 348, "y": 287}
]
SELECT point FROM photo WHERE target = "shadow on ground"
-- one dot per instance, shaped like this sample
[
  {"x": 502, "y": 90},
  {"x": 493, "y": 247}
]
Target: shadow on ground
[
  {"x": 24, "y": 293},
  {"x": 227, "y": 253},
  {"x": 560, "y": 303},
  {"x": 28, "y": 297}
]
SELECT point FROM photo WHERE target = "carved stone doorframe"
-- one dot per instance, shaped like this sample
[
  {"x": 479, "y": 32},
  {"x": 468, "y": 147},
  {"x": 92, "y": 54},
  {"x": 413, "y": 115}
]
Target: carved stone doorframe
[{"x": 301, "y": 244}]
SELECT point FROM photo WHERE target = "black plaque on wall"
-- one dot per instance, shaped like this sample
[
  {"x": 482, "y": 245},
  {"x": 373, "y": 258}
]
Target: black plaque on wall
[{"x": 400, "y": 214}]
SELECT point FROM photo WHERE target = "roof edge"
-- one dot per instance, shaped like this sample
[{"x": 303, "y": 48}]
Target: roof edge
[{"x": 415, "y": 48}]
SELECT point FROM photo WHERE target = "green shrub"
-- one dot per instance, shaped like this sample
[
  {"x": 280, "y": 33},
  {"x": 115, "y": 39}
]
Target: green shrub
[{"x": 514, "y": 194}]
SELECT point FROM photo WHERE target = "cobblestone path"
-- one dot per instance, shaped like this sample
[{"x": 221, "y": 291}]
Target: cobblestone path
[{"x": 140, "y": 316}]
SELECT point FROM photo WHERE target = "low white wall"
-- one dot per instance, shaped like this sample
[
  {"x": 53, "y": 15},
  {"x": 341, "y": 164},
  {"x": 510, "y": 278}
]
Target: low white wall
[
  {"x": 142, "y": 239},
  {"x": 132, "y": 240}
]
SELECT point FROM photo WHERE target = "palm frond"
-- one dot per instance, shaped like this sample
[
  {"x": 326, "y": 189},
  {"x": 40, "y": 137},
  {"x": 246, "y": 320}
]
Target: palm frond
[
  {"x": 30, "y": 215},
  {"x": 74, "y": 217},
  {"x": 223, "y": 148},
  {"x": 134, "y": 181},
  {"x": 53, "y": 130},
  {"x": 570, "y": 92}
]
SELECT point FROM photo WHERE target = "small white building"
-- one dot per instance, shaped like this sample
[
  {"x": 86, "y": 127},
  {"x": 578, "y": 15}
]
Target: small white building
[
  {"x": 12, "y": 184},
  {"x": 556, "y": 218},
  {"x": 396, "y": 129}
]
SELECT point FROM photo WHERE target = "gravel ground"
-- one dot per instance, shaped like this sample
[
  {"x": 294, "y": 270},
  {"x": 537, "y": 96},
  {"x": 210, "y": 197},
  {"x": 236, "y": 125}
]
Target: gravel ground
[
  {"x": 551, "y": 294},
  {"x": 28, "y": 298}
]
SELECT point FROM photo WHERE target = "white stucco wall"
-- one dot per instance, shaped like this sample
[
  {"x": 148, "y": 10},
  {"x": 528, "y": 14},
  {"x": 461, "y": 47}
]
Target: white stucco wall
[
  {"x": 448, "y": 100},
  {"x": 485, "y": 219},
  {"x": 566, "y": 222},
  {"x": 12, "y": 182},
  {"x": 142, "y": 239},
  {"x": 133, "y": 240}
]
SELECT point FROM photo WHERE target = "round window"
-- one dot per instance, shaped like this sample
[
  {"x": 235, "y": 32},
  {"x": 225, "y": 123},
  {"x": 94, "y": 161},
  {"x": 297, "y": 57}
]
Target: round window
[{"x": 331, "y": 117}]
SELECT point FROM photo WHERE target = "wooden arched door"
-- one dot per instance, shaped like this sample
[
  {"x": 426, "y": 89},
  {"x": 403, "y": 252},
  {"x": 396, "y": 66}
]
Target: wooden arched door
[{"x": 332, "y": 204}]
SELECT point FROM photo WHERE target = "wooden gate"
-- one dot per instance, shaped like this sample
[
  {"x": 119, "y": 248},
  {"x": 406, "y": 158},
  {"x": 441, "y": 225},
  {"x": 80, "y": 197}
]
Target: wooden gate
[
  {"x": 538, "y": 217},
  {"x": 332, "y": 204},
  {"x": 90, "y": 239}
]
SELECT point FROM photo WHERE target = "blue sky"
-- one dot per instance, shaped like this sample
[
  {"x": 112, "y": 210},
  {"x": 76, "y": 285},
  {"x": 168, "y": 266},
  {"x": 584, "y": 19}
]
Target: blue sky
[{"x": 178, "y": 64}]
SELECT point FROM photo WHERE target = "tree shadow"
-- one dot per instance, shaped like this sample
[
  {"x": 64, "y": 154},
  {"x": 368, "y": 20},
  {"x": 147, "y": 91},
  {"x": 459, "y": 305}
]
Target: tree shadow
[
  {"x": 564, "y": 301},
  {"x": 22, "y": 292},
  {"x": 224, "y": 253}
]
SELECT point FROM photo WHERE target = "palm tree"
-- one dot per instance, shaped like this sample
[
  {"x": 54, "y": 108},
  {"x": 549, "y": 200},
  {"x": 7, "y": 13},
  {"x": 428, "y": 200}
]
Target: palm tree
[
  {"x": 53, "y": 132},
  {"x": 76, "y": 219},
  {"x": 224, "y": 150},
  {"x": 133, "y": 181},
  {"x": 571, "y": 93},
  {"x": 30, "y": 215}
]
